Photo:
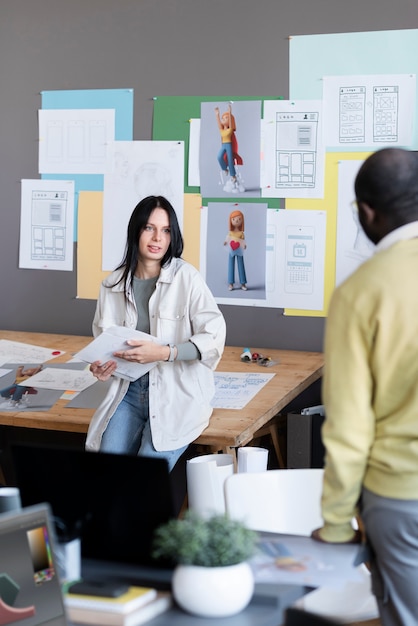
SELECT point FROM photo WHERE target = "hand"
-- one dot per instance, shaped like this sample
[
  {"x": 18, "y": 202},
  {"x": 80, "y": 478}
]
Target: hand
[
  {"x": 103, "y": 371},
  {"x": 31, "y": 371},
  {"x": 217, "y": 109},
  {"x": 357, "y": 538},
  {"x": 143, "y": 352}
]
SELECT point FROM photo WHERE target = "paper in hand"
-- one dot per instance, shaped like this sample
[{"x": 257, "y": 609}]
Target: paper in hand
[{"x": 112, "y": 340}]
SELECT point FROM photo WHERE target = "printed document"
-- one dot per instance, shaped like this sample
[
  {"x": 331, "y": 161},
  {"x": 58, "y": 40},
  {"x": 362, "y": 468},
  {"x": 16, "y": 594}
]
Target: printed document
[{"x": 113, "y": 340}]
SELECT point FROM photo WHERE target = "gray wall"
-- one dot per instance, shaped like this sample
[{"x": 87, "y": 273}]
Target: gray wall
[{"x": 156, "y": 47}]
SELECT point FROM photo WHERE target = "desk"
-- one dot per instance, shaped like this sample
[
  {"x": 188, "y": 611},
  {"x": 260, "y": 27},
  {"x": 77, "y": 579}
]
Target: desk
[
  {"x": 267, "y": 607},
  {"x": 294, "y": 372}
]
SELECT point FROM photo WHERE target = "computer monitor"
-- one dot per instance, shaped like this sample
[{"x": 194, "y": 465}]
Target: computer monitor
[
  {"x": 30, "y": 590},
  {"x": 113, "y": 502}
]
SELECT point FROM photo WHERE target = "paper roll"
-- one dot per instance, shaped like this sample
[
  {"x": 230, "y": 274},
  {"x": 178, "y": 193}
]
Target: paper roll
[
  {"x": 9, "y": 499},
  {"x": 205, "y": 483},
  {"x": 252, "y": 459}
]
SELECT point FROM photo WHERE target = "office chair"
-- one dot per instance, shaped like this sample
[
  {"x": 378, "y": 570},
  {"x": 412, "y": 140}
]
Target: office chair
[{"x": 289, "y": 501}]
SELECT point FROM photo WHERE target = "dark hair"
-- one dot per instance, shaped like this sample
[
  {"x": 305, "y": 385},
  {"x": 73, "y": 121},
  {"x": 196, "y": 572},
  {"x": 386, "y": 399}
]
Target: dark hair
[
  {"x": 137, "y": 222},
  {"x": 388, "y": 182}
]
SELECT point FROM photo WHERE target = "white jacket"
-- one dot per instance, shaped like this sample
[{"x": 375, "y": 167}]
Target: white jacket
[{"x": 182, "y": 308}]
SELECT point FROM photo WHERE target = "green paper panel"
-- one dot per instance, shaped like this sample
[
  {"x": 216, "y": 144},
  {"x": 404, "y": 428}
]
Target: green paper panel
[{"x": 171, "y": 122}]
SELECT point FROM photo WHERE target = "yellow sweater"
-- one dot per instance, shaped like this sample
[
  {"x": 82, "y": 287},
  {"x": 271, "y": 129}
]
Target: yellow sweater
[{"x": 370, "y": 387}]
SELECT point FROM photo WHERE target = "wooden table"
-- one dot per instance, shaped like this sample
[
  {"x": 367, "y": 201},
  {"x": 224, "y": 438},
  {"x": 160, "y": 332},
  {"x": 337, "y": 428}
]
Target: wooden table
[{"x": 294, "y": 372}]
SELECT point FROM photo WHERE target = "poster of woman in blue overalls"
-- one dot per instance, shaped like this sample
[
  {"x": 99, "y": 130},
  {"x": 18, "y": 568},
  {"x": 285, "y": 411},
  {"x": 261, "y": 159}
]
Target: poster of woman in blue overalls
[{"x": 235, "y": 240}]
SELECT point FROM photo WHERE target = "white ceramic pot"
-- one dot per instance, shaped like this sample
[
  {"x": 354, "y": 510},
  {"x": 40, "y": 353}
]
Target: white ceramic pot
[{"x": 213, "y": 591}]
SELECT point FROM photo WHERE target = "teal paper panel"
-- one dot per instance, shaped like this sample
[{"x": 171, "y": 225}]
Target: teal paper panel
[{"x": 378, "y": 52}]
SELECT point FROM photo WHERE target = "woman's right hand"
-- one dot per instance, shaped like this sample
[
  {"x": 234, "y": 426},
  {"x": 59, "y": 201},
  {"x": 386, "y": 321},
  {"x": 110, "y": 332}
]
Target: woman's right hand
[{"x": 103, "y": 371}]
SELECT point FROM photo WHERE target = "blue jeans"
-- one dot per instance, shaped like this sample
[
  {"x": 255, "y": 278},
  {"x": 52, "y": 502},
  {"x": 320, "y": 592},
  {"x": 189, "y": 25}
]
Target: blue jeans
[
  {"x": 129, "y": 431},
  {"x": 227, "y": 147},
  {"x": 18, "y": 391},
  {"x": 239, "y": 256}
]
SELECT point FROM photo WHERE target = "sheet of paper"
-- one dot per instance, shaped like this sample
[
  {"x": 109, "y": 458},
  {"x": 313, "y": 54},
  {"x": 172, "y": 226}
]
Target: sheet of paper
[
  {"x": 52, "y": 378},
  {"x": 353, "y": 247},
  {"x": 4, "y": 372},
  {"x": 301, "y": 259},
  {"x": 112, "y": 340},
  {"x": 32, "y": 400},
  {"x": 17, "y": 352},
  {"x": 47, "y": 225},
  {"x": 75, "y": 141},
  {"x": 139, "y": 169},
  {"x": 90, "y": 398},
  {"x": 371, "y": 111},
  {"x": 298, "y": 560},
  {"x": 293, "y": 163},
  {"x": 233, "y": 390},
  {"x": 194, "y": 147}
]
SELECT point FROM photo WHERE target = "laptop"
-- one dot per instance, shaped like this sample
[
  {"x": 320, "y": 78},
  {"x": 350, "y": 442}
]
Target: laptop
[
  {"x": 112, "y": 502},
  {"x": 30, "y": 591}
]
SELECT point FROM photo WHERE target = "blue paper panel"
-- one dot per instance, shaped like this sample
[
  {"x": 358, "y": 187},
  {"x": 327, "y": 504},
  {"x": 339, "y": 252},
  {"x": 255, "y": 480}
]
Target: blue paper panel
[
  {"x": 378, "y": 52},
  {"x": 122, "y": 100}
]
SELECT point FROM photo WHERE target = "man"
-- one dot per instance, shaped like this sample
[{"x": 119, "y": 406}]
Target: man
[{"x": 370, "y": 388}]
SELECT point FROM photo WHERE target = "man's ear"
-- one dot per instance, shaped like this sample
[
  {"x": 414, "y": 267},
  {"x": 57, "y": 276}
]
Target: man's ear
[
  {"x": 367, "y": 215},
  {"x": 372, "y": 222}
]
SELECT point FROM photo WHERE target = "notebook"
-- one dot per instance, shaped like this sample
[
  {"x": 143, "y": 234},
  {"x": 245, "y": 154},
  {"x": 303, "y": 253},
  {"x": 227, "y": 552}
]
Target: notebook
[
  {"x": 113, "y": 502},
  {"x": 30, "y": 591}
]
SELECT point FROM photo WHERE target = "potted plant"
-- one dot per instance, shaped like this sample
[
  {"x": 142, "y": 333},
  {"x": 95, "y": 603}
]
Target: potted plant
[{"x": 212, "y": 577}]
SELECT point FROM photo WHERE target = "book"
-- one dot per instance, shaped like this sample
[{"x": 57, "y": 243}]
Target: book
[
  {"x": 127, "y": 602},
  {"x": 138, "y": 616}
]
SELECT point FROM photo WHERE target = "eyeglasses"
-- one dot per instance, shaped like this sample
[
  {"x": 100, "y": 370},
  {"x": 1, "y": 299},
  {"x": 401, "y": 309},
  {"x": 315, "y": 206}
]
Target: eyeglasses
[{"x": 354, "y": 205}]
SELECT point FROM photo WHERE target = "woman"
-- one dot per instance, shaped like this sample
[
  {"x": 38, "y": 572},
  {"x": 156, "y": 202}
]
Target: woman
[
  {"x": 228, "y": 155},
  {"x": 155, "y": 291}
]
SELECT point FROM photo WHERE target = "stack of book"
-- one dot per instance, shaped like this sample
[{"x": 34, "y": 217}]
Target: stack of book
[{"x": 136, "y": 606}]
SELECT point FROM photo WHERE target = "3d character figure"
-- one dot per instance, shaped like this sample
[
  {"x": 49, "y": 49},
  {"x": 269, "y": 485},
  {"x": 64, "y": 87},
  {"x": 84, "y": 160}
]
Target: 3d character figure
[
  {"x": 236, "y": 242},
  {"x": 228, "y": 156},
  {"x": 16, "y": 391}
]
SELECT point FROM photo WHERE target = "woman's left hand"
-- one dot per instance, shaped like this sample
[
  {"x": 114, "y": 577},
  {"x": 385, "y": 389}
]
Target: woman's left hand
[
  {"x": 356, "y": 538},
  {"x": 143, "y": 352}
]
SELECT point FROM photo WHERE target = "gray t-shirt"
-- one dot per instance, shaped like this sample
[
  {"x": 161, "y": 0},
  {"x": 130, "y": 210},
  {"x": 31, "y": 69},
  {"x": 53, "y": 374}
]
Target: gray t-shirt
[{"x": 143, "y": 289}]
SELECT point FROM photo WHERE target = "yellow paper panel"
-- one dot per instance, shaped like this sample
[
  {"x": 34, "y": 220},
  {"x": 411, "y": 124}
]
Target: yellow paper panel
[
  {"x": 191, "y": 228},
  {"x": 329, "y": 204},
  {"x": 89, "y": 247}
]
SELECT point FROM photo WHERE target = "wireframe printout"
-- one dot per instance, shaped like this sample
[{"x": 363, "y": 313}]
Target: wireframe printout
[
  {"x": 47, "y": 224},
  {"x": 75, "y": 140},
  {"x": 293, "y": 149},
  {"x": 372, "y": 111}
]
